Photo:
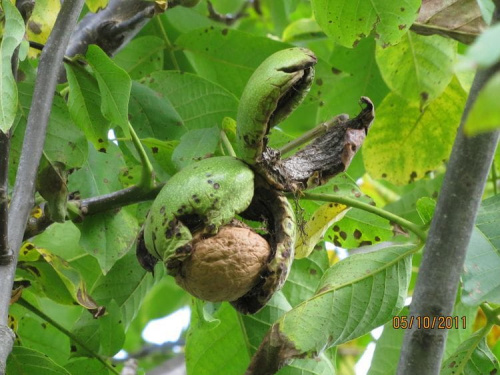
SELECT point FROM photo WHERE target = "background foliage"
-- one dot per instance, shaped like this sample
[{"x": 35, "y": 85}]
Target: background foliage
[{"x": 178, "y": 82}]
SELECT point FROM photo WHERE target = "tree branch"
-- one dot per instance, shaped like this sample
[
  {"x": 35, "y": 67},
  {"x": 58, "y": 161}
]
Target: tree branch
[
  {"x": 5, "y": 251},
  {"x": 22, "y": 198},
  {"x": 448, "y": 238}
]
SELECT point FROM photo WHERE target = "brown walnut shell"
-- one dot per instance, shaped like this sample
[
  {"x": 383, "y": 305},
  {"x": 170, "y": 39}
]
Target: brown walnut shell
[{"x": 226, "y": 266}]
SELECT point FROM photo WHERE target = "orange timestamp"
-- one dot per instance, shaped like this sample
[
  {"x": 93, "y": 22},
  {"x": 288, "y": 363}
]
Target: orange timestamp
[{"x": 429, "y": 322}]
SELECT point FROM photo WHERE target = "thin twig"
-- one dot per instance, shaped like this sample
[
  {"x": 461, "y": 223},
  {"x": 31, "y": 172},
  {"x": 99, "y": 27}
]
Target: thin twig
[
  {"x": 147, "y": 173},
  {"x": 227, "y": 19},
  {"x": 21, "y": 301},
  {"x": 352, "y": 202},
  {"x": 34, "y": 139},
  {"x": 227, "y": 144}
]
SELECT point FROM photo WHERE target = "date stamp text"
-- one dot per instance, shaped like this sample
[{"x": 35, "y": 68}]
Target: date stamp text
[{"x": 429, "y": 322}]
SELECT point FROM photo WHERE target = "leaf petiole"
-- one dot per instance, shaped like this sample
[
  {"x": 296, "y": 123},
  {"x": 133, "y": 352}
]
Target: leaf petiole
[
  {"x": 147, "y": 174},
  {"x": 60, "y": 328},
  {"x": 351, "y": 202}
]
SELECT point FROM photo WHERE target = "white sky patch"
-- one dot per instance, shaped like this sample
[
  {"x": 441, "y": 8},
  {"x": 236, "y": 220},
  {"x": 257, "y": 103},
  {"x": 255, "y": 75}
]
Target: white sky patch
[
  {"x": 112, "y": 136},
  {"x": 363, "y": 365},
  {"x": 122, "y": 354},
  {"x": 169, "y": 328},
  {"x": 341, "y": 252}
]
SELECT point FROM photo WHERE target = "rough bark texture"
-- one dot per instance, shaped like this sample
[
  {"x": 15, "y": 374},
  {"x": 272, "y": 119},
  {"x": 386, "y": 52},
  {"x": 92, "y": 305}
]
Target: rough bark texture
[
  {"x": 448, "y": 239},
  {"x": 22, "y": 198},
  {"x": 325, "y": 157},
  {"x": 112, "y": 27}
]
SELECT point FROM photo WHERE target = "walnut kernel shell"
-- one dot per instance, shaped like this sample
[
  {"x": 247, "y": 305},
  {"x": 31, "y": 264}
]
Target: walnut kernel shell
[{"x": 226, "y": 266}]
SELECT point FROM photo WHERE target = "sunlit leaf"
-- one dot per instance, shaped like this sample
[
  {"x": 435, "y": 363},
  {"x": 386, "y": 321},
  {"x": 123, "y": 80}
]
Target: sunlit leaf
[
  {"x": 405, "y": 143},
  {"x": 303, "y": 29},
  {"x": 95, "y": 5},
  {"x": 54, "y": 276},
  {"x": 347, "y": 22},
  {"x": 480, "y": 54},
  {"x": 425, "y": 208},
  {"x": 42, "y": 20},
  {"x": 419, "y": 67},
  {"x": 316, "y": 226},
  {"x": 11, "y": 38}
]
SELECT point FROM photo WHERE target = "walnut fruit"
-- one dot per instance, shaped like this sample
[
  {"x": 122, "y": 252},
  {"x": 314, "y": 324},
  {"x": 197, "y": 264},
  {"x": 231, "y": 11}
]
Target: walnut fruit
[{"x": 226, "y": 266}]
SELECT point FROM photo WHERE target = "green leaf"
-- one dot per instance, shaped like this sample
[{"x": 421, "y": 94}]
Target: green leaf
[
  {"x": 199, "y": 102},
  {"x": 127, "y": 284},
  {"x": 86, "y": 366},
  {"x": 84, "y": 105},
  {"x": 196, "y": 145},
  {"x": 63, "y": 240},
  {"x": 347, "y": 22},
  {"x": 406, "y": 206},
  {"x": 64, "y": 141},
  {"x": 35, "y": 333},
  {"x": 114, "y": 86},
  {"x": 162, "y": 152},
  {"x": 482, "y": 262},
  {"x": 141, "y": 56},
  {"x": 153, "y": 115},
  {"x": 362, "y": 292},
  {"x": 425, "y": 208},
  {"x": 207, "y": 352},
  {"x": 13, "y": 33},
  {"x": 482, "y": 53},
  {"x": 352, "y": 72},
  {"x": 419, "y": 67},
  {"x": 212, "y": 53},
  {"x": 106, "y": 236},
  {"x": 28, "y": 361},
  {"x": 484, "y": 115},
  {"x": 258, "y": 324},
  {"x": 386, "y": 356},
  {"x": 124, "y": 286},
  {"x": 472, "y": 357},
  {"x": 303, "y": 29},
  {"x": 305, "y": 277},
  {"x": 406, "y": 142},
  {"x": 111, "y": 330}
]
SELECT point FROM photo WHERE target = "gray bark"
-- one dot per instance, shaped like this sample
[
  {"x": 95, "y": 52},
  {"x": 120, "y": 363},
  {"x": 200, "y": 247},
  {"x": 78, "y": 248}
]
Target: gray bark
[
  {"x": 448, "y": 239},
  {"x": 22, "y": 198}
]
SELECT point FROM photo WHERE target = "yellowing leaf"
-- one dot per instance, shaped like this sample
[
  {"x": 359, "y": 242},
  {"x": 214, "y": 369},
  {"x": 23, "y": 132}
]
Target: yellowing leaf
[
  {"x": 95, "y": 5},
  {"x": 42, "y": 20},
  {"x": 316, "y": 227}
]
